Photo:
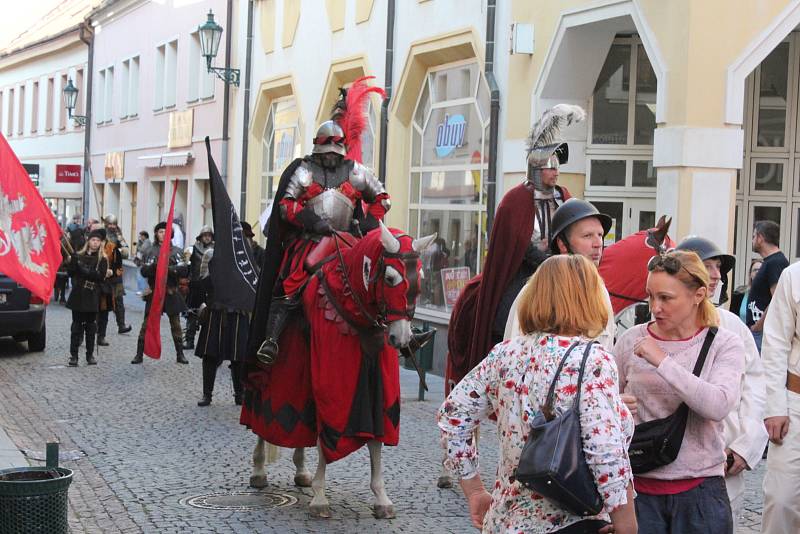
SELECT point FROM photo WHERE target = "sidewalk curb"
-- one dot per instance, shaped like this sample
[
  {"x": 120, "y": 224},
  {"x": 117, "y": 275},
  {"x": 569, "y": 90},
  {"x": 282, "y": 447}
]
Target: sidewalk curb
[{"x": 10, "y": 455}]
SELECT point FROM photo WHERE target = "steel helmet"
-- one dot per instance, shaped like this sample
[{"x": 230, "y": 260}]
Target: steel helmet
[
  {"x": 707, "y": 250},
  {"x": 572, "y": 211},
  {"x": 205, "y": 230},
  {"x": 329, "y": 138},
  {"x": 110, "y": 219}
]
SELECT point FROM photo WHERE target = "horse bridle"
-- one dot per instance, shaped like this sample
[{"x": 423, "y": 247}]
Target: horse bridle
[{"x": 660, "y": 249}]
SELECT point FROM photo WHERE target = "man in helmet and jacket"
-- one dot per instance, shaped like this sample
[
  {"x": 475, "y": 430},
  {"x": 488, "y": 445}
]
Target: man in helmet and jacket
[
  {"x": 116, "y": 249},
  {"x": 318, "y": 194},
  {"x": 519, "y": 242},
  {"x": 203, "y": 242}
]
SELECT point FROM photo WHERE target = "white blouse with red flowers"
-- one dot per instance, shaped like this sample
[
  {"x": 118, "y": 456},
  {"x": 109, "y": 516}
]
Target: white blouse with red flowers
[{"x": 511, "y": 384}]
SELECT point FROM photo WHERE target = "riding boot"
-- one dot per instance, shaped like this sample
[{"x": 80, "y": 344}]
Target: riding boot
[
  {"x": 119, "y": 313},
  {"x": 209, "y": 375},
  {"x": 102, "y": 324},
  {"x": 75, "y": 338},
  {"x": 279, "y": 311},
  {"x": 139, "y": 350},
  {"x": 191, "y": 331},
  {"x": 179, "y": 350},
  {"x": 236, "y": 377},
  {"x": 91, "y": 331}
]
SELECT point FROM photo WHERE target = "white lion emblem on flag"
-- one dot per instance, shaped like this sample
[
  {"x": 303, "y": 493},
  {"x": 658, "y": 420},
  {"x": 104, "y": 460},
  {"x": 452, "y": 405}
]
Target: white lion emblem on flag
[{"x": 28, "y": 239}]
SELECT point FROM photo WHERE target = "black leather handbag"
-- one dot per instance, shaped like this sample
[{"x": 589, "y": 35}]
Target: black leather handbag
[
  {"x": 657, "y": 443},
  {"x": 552, "y": 463}
]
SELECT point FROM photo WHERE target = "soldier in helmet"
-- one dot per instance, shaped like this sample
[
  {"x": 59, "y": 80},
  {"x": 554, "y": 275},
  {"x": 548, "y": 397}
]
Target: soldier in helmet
[
  {"x": 203, "y": 242},
  {"x": 116, "y": 249},
  {"x": 317, "y": 194}
]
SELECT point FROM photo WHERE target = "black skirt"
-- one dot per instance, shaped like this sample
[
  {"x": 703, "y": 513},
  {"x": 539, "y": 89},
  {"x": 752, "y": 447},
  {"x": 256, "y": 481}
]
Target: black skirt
[{"x": 224, "y": 335}]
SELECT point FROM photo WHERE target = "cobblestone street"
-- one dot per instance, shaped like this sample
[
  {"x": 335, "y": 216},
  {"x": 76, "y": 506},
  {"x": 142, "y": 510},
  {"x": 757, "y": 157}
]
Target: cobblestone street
[{"x": 145, "y": 448}]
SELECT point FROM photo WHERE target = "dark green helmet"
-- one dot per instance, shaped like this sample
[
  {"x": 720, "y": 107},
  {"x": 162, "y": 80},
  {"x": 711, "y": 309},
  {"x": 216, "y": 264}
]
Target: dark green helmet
[
  {"x": 572, "y": 211},
  {"x": 707, "y": 250}
]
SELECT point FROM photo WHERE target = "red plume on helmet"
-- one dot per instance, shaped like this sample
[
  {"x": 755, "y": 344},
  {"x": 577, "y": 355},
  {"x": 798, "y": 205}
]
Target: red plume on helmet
[{"x": 351, "y": 114}]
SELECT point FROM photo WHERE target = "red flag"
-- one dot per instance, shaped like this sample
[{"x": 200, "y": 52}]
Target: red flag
[
  {"x": 152, "y": 336},
  {"x": 30, "y": 249}
]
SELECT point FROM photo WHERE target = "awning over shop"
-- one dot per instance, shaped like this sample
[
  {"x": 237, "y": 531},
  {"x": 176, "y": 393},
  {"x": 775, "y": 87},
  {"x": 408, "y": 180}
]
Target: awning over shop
[
  {"x": 175, "y": 159},
  {"x": 150, "y": 162}
]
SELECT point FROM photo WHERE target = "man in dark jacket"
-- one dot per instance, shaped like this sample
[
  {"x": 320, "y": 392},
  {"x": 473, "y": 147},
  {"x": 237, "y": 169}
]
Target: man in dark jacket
[
  {"x": 204, "y": 241},
  {"x": 173, "y": 301}
]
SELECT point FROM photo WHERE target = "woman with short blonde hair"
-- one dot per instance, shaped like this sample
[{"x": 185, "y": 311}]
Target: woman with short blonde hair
[
  {"x": 562, "y": 309},
  {"x": 656, "y": 362}
]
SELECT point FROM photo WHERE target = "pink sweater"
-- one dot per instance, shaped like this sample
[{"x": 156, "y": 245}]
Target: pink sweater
[{"x": 710, "y": 397}]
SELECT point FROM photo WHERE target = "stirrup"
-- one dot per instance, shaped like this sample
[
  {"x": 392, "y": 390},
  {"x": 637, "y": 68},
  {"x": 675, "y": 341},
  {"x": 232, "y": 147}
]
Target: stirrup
[{"x": 268, "y": 352}]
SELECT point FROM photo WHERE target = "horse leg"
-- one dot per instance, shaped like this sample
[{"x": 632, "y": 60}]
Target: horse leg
[
  {"x": 259, "y": 477},
  {"x": 302, "y": 476},
  {"x": 320, "y": 507},
  {"x": 383, "y": 507}
]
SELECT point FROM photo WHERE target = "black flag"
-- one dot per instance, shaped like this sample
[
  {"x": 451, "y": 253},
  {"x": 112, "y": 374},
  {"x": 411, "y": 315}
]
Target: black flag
[{"x": 232, "y": 267}]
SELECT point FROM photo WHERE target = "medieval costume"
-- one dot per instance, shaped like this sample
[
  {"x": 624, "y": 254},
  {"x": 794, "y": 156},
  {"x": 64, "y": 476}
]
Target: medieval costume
[
  {"x": 174, "y": 304},
  {"x": 223, "y": 336},
  {"x": 62, "y": 279},
  {"x": 113, "y": 288},
  {"x": 258, "y": 250},
  {"x": 88, "y": 270},
  {"x": 518, "y": 243},
  {"x": 197, "y": 296}
]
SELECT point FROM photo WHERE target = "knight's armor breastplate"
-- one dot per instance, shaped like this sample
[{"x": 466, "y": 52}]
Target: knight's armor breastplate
[{"x": 335, "y": 206}]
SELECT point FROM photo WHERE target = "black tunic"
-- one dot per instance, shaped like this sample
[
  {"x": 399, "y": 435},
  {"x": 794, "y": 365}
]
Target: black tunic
[
  {"x": 173, "y": 300},
  {"x": 223, "y": 333},
  {"x": 87, "y": 275}
]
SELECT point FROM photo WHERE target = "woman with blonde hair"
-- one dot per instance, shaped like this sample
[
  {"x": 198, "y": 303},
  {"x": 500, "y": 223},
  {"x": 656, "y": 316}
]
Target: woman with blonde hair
[
  {"x": 656, "y": 363},
  {"x": 562, "y": 307}
]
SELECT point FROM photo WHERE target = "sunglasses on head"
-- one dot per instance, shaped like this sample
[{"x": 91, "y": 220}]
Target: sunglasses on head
[{"x": 670, "y": 265}]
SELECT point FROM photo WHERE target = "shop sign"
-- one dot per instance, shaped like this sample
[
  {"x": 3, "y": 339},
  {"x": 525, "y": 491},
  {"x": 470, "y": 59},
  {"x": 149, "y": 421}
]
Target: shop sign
[
  {"x": 68, "y": 174},
  {"x": 33, "y": 171},
  {"x": 180, "y": 128},
  {"x": 450, "y": 134},
  {"x": 453, "y": 281}
]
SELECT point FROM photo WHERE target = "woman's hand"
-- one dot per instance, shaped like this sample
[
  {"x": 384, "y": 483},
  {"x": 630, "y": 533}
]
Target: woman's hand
[
  {"x": 109, "y": 272},
  {"x": 647, "y": 348},
  {"x": 478, "y": 499},
  {"x": 739, "y": 464}
]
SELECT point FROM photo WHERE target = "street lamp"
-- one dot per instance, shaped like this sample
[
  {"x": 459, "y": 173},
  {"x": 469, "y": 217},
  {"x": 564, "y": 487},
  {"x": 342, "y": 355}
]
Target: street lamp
[
  {"x": 70, "y": 98},
  {"x": 210, "y": 35}
]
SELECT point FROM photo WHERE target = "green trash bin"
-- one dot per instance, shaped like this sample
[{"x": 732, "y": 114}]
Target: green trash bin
[{"x": 34, "y": 500}]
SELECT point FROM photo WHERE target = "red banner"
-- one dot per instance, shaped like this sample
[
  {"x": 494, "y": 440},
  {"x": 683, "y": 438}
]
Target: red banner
[
  {"x": 152, "y": 336},
  {"x": 30, "y": 249},
  {"x": 68, "y": 174}
]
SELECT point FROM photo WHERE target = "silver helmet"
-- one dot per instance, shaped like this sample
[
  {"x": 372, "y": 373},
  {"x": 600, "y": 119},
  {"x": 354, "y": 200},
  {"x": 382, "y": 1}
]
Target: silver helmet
[
  {"x": 329, "y": 138},
  {"x": 205, "y": 230},
  {"x": 110, "y": 219}
]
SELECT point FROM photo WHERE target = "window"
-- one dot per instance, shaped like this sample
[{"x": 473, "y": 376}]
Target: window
[
  {"x": 48, "y": 118},
  {"x": 21, "y": 111},
  {"x": 100, "y": 98},
  {"x": 81, "y": 93},
  {"x": 620, "y": 178},
  {"x": 166, "y": 75},
  {"x": 62, "y": 110},
  {"x": 11, "y": 107},
  {"x": 280, "y": 145},
  {"x": 108, "y": 95},
  {"x": 129, "y": 81},
  {"x": 447, "y": 183},
  {"x": 35, "y": 107},
  {"x": 201, "y": 82}
]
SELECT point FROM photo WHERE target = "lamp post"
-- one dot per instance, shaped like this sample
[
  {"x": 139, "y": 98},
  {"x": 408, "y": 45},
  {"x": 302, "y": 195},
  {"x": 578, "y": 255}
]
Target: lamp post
[
  {"x": 70, "y": 98},
  {"x": 210, "y": 35}
]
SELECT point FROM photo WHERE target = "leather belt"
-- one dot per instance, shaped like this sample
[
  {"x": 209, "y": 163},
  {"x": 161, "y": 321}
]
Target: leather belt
[{"x": 793, "y": 383}]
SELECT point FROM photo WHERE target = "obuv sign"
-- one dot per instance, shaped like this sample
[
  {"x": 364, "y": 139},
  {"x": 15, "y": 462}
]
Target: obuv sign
[{"x": 450, "y": 134}]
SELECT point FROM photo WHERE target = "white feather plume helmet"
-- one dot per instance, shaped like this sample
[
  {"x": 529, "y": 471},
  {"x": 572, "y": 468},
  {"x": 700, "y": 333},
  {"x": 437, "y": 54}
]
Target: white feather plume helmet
[{"x": 545, "y": 137}]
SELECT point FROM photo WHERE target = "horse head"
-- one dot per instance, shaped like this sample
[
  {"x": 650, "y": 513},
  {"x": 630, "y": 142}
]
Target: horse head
[
  {"x": 384, "y": 271},
  {"x": 624, "y": 264}
]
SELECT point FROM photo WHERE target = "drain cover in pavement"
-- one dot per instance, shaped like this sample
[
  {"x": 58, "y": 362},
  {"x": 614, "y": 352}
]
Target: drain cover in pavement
[{"x": 241, "y": 501}]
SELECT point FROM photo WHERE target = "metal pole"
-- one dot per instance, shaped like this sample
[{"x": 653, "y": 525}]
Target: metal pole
[
  {"x": 494, "y": 117},
  {"x": 246, "y": 115},
  {"x": 85, "y": 30},
  {"x": 388, "y": 80},
  {"x": 226, "y": 95}
]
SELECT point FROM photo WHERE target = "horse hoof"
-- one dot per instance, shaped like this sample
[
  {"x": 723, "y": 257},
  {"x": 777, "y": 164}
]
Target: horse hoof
[
  {"x": 258, "y": 481},
  {"x": 444, "y": 482},
  {"x": 302, "y": 480},
  {"x": 320, "y": 510},
  {"x": 383, "y": 511}
]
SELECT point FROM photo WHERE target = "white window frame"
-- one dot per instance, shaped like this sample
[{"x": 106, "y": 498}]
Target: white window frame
[
  {"x": 416, "y": 206},
  {"x": 269, "y": 179},
  {"x": 200, "y": 87}
]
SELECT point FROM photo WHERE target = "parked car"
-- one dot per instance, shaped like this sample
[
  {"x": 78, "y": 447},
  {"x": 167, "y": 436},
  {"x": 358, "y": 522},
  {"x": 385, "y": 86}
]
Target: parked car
[{"x": 22, "y": 315}]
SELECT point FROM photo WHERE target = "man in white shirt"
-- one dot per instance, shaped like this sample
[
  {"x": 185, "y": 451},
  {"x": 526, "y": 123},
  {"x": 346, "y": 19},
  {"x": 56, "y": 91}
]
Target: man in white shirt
[
  {"x": 780, "y": 353},
  {"x": 578, "y": 228},
  {"x": 744, "y": 433}
]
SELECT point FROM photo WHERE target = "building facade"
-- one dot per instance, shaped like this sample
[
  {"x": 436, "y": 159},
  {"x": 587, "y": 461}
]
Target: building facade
[
  {"x": 678, "y": 124},
  {"x": 33, "y": 74},
  {"x": 153, "y": 105}
]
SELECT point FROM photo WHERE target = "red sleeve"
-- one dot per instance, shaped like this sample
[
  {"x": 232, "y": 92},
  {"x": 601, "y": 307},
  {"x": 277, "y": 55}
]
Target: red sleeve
[
  {"x": 375, "y": 208},
  {"x": 292, "y": 207}
]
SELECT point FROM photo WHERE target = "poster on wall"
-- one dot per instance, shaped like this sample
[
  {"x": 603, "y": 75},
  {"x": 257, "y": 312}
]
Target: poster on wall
[
  {"x": 68, "y": 174},
  {"x": 453, "y": 281}
]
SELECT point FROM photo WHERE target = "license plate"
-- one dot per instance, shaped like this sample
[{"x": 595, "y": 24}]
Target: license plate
[{"x": 2, "y": 298}]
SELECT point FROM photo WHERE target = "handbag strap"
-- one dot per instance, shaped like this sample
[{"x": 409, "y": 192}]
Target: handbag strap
[
  {"x": 701, "y": 359},
  {"x": 547, "y": 409}
]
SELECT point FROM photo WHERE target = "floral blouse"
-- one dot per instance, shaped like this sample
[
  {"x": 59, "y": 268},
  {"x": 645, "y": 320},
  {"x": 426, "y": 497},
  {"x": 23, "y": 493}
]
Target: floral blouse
[{"x": 511, "y": 384}]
